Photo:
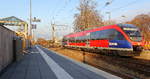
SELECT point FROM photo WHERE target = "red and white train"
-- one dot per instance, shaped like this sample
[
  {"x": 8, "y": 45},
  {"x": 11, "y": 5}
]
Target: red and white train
[{"x": 123, "y": 39}]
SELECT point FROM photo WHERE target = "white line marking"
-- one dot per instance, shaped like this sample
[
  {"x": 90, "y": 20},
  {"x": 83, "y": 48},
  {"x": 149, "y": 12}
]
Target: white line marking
[
  {"x": 34, "y": 52},
  {"x": 59, "y": 71},
  {"x": 91, "y": 68}
]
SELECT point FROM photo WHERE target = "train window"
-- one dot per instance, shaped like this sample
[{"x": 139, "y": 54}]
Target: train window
[
  {"x": 134, "y": 35},
  {"x": 82, "y": 37},
  {"x": 119, "y": 36},
  {"x": 104, "y": 34},
  {"x": 86, "y": 37},
  {"x": 115, "y": 35},
  {"x": 96, "y": 35},
  {"x": 109, "y": 34},
  {"x": 79, "y": 38},
  {"x": 132, "y": 31},
  {"x": 76, "y": 38}
]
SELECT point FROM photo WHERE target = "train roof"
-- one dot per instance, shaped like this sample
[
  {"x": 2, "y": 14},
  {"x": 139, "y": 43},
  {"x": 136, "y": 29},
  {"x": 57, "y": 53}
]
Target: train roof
[
  {"x": 100, "y": 28},
  {"x": 127, "y": 25},
  {"x": 87, "y": 31}
]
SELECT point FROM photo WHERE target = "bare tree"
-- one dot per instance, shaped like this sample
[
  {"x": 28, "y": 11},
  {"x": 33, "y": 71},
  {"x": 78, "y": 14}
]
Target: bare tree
[
  {"x": 42, "y": 41},
  {"x": 87, "y": 17},
  {"x": 143, "y": 22},
  {"x": 109, "y": 22}
]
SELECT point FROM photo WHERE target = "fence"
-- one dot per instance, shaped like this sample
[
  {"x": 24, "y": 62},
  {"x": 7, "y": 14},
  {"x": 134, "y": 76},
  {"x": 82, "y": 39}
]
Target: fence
[
  {"x": 6, "y": 47},
  {"x": 10, "y": 47}
]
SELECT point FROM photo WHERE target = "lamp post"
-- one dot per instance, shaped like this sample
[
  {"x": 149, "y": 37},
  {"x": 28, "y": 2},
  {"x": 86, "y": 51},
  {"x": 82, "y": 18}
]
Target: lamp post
[
  {"x": 109, "y": 15},
  {"x": 30, "y": 23},
  {"x": 32, "y": 26},
  {"x": 108, "y": 3},
  {"x": 30, "y": 18},
  {"x": 123, "y": 16}
]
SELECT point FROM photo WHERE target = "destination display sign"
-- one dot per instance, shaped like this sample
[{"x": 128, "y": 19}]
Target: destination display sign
[{"x": 132, "y": 29}]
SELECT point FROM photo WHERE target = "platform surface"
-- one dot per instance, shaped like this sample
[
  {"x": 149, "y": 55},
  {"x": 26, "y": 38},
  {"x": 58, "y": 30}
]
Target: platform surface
[{"x": 41, "y": 63}]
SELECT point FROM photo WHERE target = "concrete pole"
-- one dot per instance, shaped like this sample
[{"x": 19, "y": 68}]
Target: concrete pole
[
  {"x": 53, "y": 33},
  {"x": 30, "y": 23}
]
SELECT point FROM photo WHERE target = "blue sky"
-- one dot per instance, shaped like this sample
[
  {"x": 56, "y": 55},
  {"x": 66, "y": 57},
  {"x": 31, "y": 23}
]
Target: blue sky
[{"x": 63, "y": 12}]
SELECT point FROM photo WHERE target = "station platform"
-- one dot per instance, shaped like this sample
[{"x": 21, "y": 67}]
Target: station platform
[{"x": 42, "y": 63}]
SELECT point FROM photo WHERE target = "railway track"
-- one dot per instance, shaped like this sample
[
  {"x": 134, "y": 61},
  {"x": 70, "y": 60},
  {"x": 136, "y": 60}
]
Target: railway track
[{"x": 136, "y": 65}]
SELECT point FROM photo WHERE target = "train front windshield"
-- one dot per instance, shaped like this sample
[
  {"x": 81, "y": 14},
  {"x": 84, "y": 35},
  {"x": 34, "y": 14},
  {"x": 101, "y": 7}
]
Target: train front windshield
[{"x": 133, "y": 33}]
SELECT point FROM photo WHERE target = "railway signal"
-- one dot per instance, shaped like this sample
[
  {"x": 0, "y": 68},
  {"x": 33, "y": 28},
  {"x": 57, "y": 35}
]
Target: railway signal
[{"x": 53, "y": 25}]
